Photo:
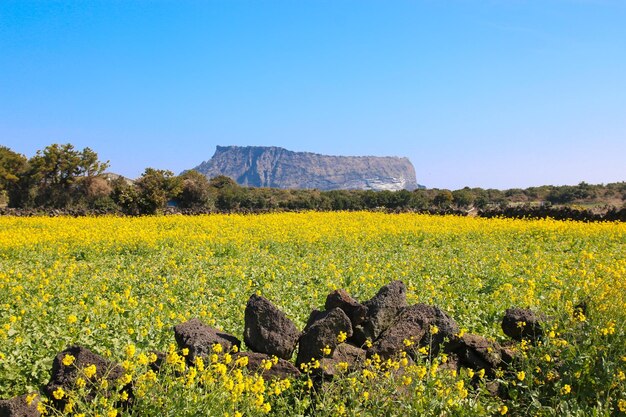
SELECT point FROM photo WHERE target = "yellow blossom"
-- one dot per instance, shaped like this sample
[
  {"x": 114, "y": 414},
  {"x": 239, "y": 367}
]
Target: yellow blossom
[
  {"x": 58, "y": 393},
  {"x": 90, "y": 371}
]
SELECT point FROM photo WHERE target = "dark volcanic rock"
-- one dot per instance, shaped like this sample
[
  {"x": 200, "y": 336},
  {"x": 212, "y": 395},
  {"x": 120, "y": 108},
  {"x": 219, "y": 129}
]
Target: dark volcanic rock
[
  {"x": 313, "y": 317},
  {"x": 257, "y": 166},
  {"x": 269, "y": 330},
  {"x": 322, "y": 333},
  {"x": 414, "y": 323},
  {"x": 64, "y": 376},
  {"x": 355, "y": 311},
  {"x": 200, "y": 338},
  {"x": 476, "y": 352},
  {"x": 19, "y": 407},
  {"x": 281, "y": 370},
  {"x": 382, "y": 311},
  {"x": 343, "y": 353},
  {"x": 521, "y": 323}
]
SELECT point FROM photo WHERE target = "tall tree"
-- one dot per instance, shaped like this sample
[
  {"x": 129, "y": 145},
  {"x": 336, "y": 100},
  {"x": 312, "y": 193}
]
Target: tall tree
[
  {"x": 62, "y": 174},
  {"x": 12, "y": 168},
  {"x": 194, "y": 190},
  {"x": 155, "y": 187}
]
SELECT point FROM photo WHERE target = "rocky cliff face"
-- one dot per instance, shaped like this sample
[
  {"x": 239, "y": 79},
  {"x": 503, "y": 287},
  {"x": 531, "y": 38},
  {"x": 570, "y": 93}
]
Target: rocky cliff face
[{"x": 259, "y": 166}]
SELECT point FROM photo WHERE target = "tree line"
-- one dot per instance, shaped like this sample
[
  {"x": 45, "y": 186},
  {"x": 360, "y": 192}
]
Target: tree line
[{"x": 63, "y": 177}]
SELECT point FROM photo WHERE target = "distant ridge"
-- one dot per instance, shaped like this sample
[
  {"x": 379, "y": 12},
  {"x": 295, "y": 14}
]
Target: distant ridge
[{"x": 271, "y": 166}]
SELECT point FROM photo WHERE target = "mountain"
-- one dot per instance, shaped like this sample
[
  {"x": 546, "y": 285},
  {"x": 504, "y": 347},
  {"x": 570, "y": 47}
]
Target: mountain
[{"x": 261, "y": 166}]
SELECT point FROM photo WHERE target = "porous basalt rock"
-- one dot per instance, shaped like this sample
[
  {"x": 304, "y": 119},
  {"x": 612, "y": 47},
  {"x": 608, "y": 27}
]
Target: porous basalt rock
[
  {"x": 268, "y": 330},
  {"x": 421, "y": 325},
  {"x": 382, "y": 311},
  {"x": 281, "y": 369},
  {"x": 522, "y": 323},
  {"x": 200, "y": 338},
  {"x": 323, "y": 333},
  {"x": 64, "y": 376},
  {"x": 355, "y": 311},
  {"x": 477, "y": 352},
  {"x": 344, "y": 353},
  {"x": 20, "y": 407}
]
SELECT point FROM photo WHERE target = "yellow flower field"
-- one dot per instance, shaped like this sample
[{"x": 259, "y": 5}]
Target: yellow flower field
[{"x": 108, "y": 283}]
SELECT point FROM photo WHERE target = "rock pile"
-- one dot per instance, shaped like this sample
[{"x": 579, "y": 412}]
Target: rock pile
[{"x": 342, "y": 336}]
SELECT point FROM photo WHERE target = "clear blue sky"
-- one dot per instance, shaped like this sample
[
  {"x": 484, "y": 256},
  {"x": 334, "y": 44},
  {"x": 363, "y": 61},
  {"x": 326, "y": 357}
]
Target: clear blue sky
[{"x": 493, "y": 93}]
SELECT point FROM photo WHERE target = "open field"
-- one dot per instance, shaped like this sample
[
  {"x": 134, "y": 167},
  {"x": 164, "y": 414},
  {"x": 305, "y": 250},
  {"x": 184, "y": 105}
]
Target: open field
[{"x": 108, "y": 283}]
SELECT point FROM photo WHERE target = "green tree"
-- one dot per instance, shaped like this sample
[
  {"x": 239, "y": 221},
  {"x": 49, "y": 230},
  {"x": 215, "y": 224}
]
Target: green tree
[
  {"x": 62, "y": 174},
  {"x": 443, "y": 199},
  {"x": 194, "y": 190},
  {"x": 155, "y": 188},
  {"x": 125, "y": 196},
  {"x": 12, "y": 167},
  {"x": 463, "y": 198}
]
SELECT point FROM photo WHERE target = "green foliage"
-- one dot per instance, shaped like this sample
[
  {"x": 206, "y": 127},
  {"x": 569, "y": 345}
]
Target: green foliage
[
  {"x": 155, "y": 188},
  {"x": 106, "y": 283},
  {"x": 194, "y": 190},
  {"x": 12, "y": 167},
  {"x": 463, "y": 198},
  {"x": 443, "y": 199},
  {"x": 60, "y": 176}
]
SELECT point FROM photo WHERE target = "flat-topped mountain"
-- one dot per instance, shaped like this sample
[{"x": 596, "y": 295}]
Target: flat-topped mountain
[{"x": 261, "y": 166}]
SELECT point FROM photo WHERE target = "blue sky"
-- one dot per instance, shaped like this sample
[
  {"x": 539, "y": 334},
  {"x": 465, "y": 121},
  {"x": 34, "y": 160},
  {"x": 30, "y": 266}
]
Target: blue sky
[{"x": 480, "y": 93}]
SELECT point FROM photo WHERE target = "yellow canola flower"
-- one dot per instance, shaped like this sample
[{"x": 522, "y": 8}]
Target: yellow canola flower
[
  {"x": 58, "y": 393},
  {"x": 130, "y": 350},
  {"x": 90, "y": 371},
  {"x": 31, "y": 397},
  {"x": 68, "y": 360},
  {"x": 148, "y": 262},
  {"x": 242, "y": 361}
]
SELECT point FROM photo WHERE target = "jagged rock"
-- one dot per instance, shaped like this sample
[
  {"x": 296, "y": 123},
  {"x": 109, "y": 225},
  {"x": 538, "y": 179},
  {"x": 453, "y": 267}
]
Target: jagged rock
[
  {"x": 321, "y": 333},
  {"x": 497, "y": 389},
  {"x": 64, "y": 376},
  {"x": 343, "y": 353},
  {"x": 355, "y": 311},
  {"x": 269, "y": 330},
  {"x": 522, "y": 323},
  {"x": 414, "y": 323},
  {"x": 258, "y": 166},
  {"x": 19, "y": 407},
  {"x": 199, "y": 338},
  {"x": 313, "y": 317},
  {"x": 382, "y": 311},
  {"x": 452, "y": 363},
  {"x": 281, "y": 370},
  {"x": 477, "y": 352}
]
